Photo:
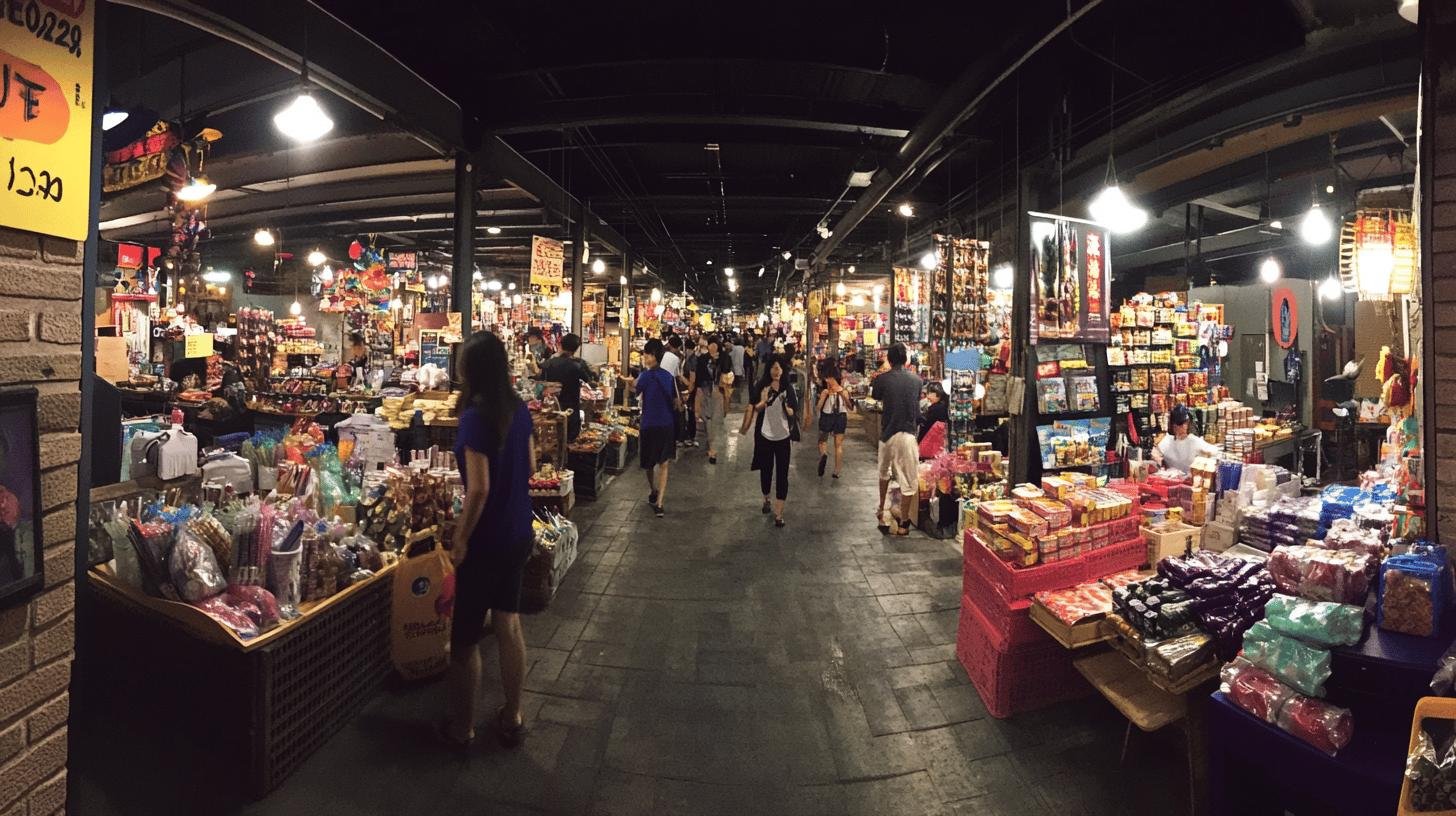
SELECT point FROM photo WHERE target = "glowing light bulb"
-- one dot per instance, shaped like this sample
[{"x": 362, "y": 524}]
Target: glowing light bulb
[
  {"x": 1270, "y": 271},
  {"x": 295, "y": 308},
  {"x": 1330, "y": 289},
  {"x": 304, "y": 120},
  {"x": 929, "y": 261},
  {"x": 1316, "y": 228},
  {"x": 493, "y": 230},
  {"x": 316, "y": 258},
  {"x": 263, "y": 238},
  {"x": 197, "y": 189},
  {"x": 1002, "y": 277},
  {"x": 839, "y": 289},
  {"x": 599, "y": 266},
  {"x": 906, "y": 210},
  {"x": 1114, "y": 210}
]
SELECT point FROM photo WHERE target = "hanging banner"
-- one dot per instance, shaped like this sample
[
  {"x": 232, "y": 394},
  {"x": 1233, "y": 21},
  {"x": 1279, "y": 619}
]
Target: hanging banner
[
  {"x": 547, "y": 264},
  {"x": 1071, "y": 277},
  {"x": 1284, "y": 318},
  {"x": 402, "y": 260},
  {"x": 45, "y": 116},
  {"x": 128, "y": 256}
]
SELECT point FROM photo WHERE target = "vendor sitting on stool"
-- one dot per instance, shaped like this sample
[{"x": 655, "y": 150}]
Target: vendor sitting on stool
[{"x": 1178, "y": 448}]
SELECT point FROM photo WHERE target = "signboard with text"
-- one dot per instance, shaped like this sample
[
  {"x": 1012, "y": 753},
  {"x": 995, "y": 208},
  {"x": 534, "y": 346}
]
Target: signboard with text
[
  {"x": 198, "y": 345},
  {"x": 402, "y": 260},
  {"x": 45, "y": 115},
  {"x": 548, "y": 260},
  {"x": 1071, "y": 279}
]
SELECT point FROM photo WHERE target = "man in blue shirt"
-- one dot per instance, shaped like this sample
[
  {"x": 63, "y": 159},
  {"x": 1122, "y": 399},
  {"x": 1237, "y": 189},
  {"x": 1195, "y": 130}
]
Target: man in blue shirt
[{"x": 658, "y": 392}]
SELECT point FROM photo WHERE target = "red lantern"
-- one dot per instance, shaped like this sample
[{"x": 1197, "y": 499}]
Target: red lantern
[{"x": 355, "y": 250}]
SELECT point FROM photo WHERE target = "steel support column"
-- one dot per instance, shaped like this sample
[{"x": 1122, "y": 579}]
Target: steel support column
[
  {"x": 580, "y": 234},
  {"x": 462, "y": 279},
  {"x": 626, "y": 320}
]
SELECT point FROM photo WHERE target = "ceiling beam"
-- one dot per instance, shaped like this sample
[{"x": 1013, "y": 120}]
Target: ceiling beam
[{"x": 710, "y": 119}]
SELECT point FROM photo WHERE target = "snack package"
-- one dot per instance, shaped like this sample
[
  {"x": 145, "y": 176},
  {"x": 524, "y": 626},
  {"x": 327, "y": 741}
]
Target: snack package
[
  {"x": 1179, "y": 657},
  {"x": 1321, "y": 623},
  {"x": 1254, "y": 690},
  {"x": 1342, "y": 576},
  {"x": 1431, "y": 769},
  {"x": 260, "y": 598},
  {"x": 1300, "y": 666},
  {"x": 1412, "y": 592},
  {"x": 193, "y": 568},
  {"x": 1323, "y": 725},
  {"x": 228, "y": 616}
]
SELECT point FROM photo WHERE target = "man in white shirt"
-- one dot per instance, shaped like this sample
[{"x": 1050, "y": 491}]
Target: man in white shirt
[
  {"x": 1178, "y": 448},
  {"x": 738, "y": 370}
]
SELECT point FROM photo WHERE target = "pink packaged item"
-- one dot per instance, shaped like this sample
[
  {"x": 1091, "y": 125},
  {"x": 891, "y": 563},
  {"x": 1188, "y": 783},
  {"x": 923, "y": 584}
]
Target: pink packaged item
[
  {"x": 260, "y": 598},
  {"x": 228, "y": 616},
  {"x": 1318, "y": 574}
]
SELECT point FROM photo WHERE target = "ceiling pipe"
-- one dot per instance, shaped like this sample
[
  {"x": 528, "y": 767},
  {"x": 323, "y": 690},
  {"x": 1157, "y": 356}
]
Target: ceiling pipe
[{"x": 959, "y": 103}]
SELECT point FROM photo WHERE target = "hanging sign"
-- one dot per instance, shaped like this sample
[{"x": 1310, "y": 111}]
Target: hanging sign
[
  {"x": 547, "y": 263},
  {"x": 1071, "y": 277},
  {"x": 198, "y": 345},
  {"x": 871, "y": 338},
  {"x": 45, "y": 116},
  {"x": 128, "y": 256},
  {"x": 402, "y": 260},
  {"x": 1284, "y": 319}
]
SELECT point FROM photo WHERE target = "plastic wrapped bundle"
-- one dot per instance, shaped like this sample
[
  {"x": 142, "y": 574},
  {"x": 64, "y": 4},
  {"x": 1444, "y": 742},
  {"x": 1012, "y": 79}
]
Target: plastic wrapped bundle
[
  {"x": 1254, "y": 690},
  {"x": 1325, "y": 726},
  {"x": 1431, "y": 769},
  {"x": 194, "y": 568},
  {"x": 1181, "y": 656},
  {"x": 1321, "y": 623},
  {"x": 1342, "y": 576},
  {"x": 1227, "y": 594},
  {"x": 1347, "y": 534},
  {"x": 1296, "y": 664}
]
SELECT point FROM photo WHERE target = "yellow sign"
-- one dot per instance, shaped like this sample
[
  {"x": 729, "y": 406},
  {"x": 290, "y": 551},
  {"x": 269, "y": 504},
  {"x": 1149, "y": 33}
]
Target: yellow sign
[
  {"x": 199, "y": 345},
  {"x": 871, "y": 338},
  {"x": 46, "y": 51},
  {"x": 547, "y": 262}
]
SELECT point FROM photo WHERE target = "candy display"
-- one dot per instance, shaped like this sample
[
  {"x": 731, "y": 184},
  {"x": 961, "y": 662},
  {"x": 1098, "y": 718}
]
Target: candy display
[
  {"x": 1318, "y": 622},
  {"x": 1304, "y": 668},
  {"x": 1342, "y": 576},
  {"x": 1156, "y": 609},
  {"x": 1178, "y": 657},
  {"x": 1076, "y": 604}
]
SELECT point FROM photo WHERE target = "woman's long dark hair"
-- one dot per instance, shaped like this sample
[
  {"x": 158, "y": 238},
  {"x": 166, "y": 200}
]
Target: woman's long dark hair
[
  {"x": 486, "y": 383},
  {"x": 766, "y": 376}
]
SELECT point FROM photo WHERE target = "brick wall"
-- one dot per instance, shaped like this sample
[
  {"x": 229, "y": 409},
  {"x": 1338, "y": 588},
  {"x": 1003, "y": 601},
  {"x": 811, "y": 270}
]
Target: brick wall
[{"x": 40, "y": 345}]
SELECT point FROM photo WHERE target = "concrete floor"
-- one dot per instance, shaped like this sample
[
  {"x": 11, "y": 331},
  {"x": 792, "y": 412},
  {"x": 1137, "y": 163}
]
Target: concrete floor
[{"x": 709, "y": 663}]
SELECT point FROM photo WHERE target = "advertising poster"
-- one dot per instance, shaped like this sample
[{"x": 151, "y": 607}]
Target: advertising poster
[
  {"x": 45, "y": 116},
  {"x": 548, "y": 260},
  {"x": 1071, "y": 279}
]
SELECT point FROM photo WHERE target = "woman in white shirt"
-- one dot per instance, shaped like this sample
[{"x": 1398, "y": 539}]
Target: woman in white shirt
[
  {"x": 773, "y": 439},
  {"x": 1178, "y": 448},
  {"x": 833, "y": 409}
]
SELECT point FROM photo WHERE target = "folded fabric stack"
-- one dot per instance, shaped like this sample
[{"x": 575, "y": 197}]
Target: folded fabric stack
[{"x": 1227, "y": 595}]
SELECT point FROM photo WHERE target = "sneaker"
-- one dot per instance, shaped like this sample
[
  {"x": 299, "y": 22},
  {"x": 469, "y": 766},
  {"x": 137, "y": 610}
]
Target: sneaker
[
  {"x": 658, "y": 511},
  {"x": 652, "y": 498},
  {"x": 823, "y": 461}
]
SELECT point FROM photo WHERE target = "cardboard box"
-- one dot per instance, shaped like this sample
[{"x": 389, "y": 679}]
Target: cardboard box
[
  {"x": 1170, "y": 539},
  {"x": 1218, "y": 536}
]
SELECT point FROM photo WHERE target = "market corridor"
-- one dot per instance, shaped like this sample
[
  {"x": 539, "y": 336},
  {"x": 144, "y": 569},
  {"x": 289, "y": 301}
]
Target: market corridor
[{"x": 709, "y": 663}]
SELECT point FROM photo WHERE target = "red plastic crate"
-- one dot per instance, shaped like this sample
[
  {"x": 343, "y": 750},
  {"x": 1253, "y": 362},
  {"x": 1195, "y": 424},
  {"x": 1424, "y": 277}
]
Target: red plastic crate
[
  {"x": 1011, "y": 622},
  {"x": 1117, "y": 557},
  {"x": 1013, "y": 583},
  {"x": 1017, "y": 680}
]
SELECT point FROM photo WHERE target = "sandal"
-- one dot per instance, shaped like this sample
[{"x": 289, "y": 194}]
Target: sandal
[
  {"x": 442, "y": 733},
  {"x": 900, "y": 530},
  {"x": 779, "y": 521},
  {"x": 510, "y": 734}
]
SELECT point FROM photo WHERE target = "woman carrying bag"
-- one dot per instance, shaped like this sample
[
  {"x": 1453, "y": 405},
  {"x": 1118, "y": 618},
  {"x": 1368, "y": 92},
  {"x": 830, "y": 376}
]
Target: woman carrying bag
[{"x": 774, "y": 434}]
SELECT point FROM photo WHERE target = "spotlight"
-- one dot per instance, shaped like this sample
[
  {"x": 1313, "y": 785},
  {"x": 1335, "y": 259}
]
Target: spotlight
[
  {"x": 851, "y": 269},
  {"x": 197, "y": 189},
  {"x": 493, "y": 230},
  {"x": 728, "y": 271},
  {"x": 1329, "y": 189},
  {"x": 263, "y": 238},
  {"x": 113, "y": 117},
  {"x": 304, "y": 120},
  {"x": 493, "y": 286},
  {"x": 599, "y": 266},
  {"x": 1330, "y": 289},
  {"x": 316, "y": 258},
  {"x": 1003, "y": 277},
  {"x": 905, "y": 209},
  {"x": 1315, "y": 228},
  {"x": 710, "y": 263},
  {"x": 760, "y": 271},
  {"x": 929, "y": 261},
  {"x": 1270, "y": 271},
  {"x": 1112, "y": 209}
]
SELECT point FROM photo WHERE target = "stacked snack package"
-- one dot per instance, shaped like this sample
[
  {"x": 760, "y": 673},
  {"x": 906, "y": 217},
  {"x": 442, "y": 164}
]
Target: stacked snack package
[
  {"x": 1325, "y": 726},
  {"x": 1412, "y": 591},
  {"x": 1319, "y": 574},
  {"x": 1227, "y": 594}
]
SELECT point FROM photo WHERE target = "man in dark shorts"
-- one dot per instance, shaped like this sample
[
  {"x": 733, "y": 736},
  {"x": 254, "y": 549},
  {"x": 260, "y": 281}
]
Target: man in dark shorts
[{"x": 660, "y": 404}]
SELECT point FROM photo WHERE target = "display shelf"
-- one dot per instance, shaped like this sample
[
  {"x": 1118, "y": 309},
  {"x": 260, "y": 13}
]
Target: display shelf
[{"x": 1129, "y": 689}]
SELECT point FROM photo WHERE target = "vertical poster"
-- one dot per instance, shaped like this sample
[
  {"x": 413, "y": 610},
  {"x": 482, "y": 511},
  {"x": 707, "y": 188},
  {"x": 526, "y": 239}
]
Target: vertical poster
[
  {"x": 548, "y": 260},
  {"x": 1071, "y": 279},
  {"x": 45, "y": 116}
]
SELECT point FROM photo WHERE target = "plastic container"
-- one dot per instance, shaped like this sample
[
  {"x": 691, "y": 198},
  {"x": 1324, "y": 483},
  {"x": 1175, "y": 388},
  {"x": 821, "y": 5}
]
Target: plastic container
[
  {"x": 1019, "y": 679},
  {"x": 1014, "y": 583},
  {"x": 1412, "y": 593}
]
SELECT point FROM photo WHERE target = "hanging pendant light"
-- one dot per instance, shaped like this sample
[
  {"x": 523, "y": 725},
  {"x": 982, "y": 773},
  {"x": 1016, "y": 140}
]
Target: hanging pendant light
[
  {"x": 929, "y": 261},
  {"x": 1316, "y": 228},
  {"x": 295, "y": 308},
  {"x": 1270, "y": 271},
  {"x": 316, "y": 258},
  {"x": 1330, "y": 289},
  {"x": 1112, "y": 209},
  {"x": 839, "y": 289},
  {"x": 197, "y": 188},
  {"x": 304, "y": 120},
  {"x": 263, "y": 238}
]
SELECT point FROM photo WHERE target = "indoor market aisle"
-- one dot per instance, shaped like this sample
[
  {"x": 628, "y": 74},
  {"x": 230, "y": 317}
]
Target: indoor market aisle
[{"x": 710, "y": 663}]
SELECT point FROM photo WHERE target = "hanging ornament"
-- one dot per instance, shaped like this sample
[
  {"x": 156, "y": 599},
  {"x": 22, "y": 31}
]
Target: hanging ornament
[{"x": 355, "y": 250}]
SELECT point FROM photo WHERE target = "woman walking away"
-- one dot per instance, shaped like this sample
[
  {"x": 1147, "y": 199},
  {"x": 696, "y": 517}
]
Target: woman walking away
[
  {"x": 773, "y": 437},
  {"x": 659, "y": 407},
  {"x": 492, "y": 539},
  {"x": 833, "y": 412}
]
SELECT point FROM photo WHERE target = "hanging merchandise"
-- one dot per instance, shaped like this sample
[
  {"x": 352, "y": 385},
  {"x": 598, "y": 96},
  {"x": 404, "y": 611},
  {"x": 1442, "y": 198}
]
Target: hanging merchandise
[
  {"x": 912, "y": 305},
  {"x": 1071, "y": 276},
  {"x": 970, "y": 306}
]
